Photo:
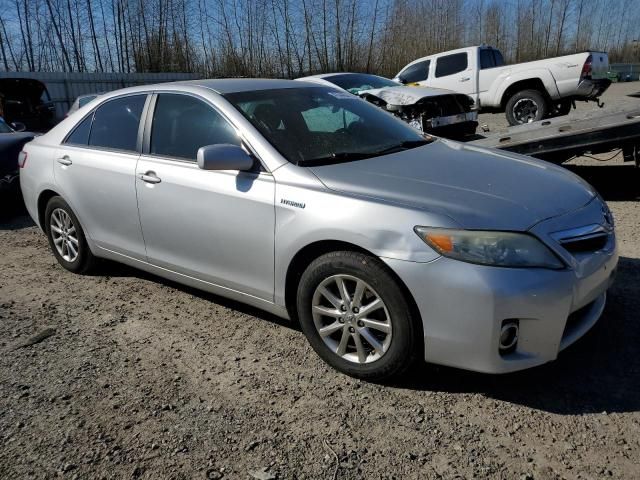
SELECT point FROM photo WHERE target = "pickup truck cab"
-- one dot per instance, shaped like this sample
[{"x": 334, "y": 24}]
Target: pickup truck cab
[{"x": 526, "y": 92}]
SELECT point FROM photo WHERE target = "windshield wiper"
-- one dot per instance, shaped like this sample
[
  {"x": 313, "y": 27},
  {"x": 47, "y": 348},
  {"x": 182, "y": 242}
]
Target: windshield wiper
[
  {"x": 406, "y": 145},
  {"x": 337, "y": 157}
]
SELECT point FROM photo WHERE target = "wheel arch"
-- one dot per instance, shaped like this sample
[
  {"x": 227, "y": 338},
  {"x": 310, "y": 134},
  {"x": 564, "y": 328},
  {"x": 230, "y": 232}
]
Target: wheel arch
[
  {"x": 527, "y": 84},
  {"x": 307, "y": 254},
  {"x": 43, "y": 200}
]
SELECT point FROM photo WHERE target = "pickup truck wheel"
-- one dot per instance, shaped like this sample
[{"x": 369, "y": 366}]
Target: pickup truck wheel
[
  {"x": 525, "y": 107},
  {"x": 356, "y": 317}
]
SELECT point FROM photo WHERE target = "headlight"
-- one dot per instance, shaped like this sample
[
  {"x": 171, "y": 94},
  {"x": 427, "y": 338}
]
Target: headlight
[{"x": 503, "y": 249}]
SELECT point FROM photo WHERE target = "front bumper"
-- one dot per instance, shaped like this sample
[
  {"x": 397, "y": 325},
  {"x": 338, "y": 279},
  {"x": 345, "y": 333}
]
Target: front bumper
[{"x": 463, "y": 307}]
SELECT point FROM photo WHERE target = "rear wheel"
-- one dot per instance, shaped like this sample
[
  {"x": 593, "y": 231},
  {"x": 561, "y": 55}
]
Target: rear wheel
[
  {"x": 356, "y": 317},
  {"x": 66, "y": 238},
  {"x": 525, "y": 107}
]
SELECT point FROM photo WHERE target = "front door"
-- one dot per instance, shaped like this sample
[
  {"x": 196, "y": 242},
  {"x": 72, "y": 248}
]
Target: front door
[{"x": 216, "y": 226}]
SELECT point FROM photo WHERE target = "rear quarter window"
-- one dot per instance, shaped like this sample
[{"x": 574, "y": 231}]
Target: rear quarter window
[
  {"x": 450, "y": 64},
  {"x": 80, "y": 134}
]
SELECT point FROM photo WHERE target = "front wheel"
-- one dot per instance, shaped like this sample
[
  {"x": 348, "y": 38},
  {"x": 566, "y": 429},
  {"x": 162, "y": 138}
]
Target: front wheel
[
  {"x": 525, "y": 107},
  {"x": 356, "y": 316},
  {"x": 66, "y": 238}
]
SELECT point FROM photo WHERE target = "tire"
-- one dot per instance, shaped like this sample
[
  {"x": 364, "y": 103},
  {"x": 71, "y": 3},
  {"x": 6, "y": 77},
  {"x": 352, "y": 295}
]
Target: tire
[
  {"x": 62, "y": 241},
  {"x": 392, "y": 327},
  {"x": 563, "y": 108},
  {"x": 526, "y": 106}
]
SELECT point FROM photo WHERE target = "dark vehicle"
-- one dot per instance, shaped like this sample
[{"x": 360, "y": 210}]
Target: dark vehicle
[
  {"x": 27, "y": 101},
  {"x": 11, "y": 143}
]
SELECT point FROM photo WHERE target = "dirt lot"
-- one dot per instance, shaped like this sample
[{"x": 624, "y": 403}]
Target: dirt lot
[{"x": 147, "y": 379}]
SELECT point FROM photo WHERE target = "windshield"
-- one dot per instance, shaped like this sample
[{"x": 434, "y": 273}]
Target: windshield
[
  {"x": 317, "y": 125},
  {"x": 357, "y": 82},
  {"x": 4, "y": 128}
]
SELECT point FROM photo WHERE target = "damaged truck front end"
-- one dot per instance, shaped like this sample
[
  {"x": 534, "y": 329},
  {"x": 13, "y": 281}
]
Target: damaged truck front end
[{"x": 432, "y": 111}]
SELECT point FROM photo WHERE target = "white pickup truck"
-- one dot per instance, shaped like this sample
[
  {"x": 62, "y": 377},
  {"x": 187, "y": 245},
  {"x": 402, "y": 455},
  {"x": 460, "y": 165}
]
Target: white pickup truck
[{"x": 526, "y": 92}]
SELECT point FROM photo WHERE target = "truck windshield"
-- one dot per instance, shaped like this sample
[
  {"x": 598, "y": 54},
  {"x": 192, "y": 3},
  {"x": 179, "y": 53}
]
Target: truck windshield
[{"x": 320, "y": 125}]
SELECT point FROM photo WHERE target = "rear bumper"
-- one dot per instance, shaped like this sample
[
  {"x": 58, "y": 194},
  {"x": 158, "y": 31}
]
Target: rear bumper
[{"x": 590, "y": 89}]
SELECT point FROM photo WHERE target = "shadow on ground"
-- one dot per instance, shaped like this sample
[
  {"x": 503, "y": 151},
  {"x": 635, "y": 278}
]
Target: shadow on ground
[{"x": 615, "y": 182}]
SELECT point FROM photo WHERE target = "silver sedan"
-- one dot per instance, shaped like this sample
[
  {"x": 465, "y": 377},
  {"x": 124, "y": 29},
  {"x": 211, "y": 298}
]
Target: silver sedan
[{"x": 314, "y": 205}]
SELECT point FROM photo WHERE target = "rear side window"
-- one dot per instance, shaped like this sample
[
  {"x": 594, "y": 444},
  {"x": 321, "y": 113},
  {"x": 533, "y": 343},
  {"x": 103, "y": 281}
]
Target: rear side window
[
  {"x": 80, "y": 134},
  {"x": 182, "y": 124},
  {"x": 490, "y": 57},
  {"x": 486, "y": 59},
  {"x": 416, "y": 72},
  {"x": 116, "y": 122},
  {"x": 450, "y": 64}
]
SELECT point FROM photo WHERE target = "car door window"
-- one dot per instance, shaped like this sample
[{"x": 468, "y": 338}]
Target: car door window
[
  {"x": 80, "y": 134},
  {"x": 416, "y": 72},
  {"x": 486, "y": 59},
  {"x": 450, "y": 64},
  {"x": 115, "y": 123},
  {"x": 182, "y": 124}
]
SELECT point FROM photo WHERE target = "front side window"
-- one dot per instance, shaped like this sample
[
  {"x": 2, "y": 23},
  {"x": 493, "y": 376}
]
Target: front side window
[
  {"x": 416, "y": 72},
  {"x": 318, "y": 125},
  {"x": 80, "y": 134},
  {"x": 116, "y": 122},
  {"x": 182, "y": 124},
  {"x": 450, "y": 64}
]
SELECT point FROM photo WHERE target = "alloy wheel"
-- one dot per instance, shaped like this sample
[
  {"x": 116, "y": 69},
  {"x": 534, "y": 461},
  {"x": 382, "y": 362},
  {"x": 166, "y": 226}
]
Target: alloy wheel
[
  {"x": 351, "y": 318},
  {"x": 525, "y": 110},
  {"x": 64, "y": 235}
]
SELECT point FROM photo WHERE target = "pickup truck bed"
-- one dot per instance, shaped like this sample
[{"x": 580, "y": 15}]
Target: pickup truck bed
[{"x": 560, "y": 139}]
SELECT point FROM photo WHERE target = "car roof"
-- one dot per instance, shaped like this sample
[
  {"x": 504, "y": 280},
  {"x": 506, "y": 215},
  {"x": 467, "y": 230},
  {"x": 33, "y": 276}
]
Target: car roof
[
  {"x": 222, "y": 86},
  {"x": 234, "y": 85}
]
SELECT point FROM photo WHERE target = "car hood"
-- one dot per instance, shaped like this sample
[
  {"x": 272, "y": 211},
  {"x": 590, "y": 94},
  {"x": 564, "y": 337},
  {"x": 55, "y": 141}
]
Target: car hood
[
  {"x": 402, "y": 95},
  {"x": 477, "y": 188}
]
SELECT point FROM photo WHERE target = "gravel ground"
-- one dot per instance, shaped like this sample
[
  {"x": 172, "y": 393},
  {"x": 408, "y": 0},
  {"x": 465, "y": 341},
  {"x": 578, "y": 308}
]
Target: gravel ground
[{"x": 143, "y": 378}]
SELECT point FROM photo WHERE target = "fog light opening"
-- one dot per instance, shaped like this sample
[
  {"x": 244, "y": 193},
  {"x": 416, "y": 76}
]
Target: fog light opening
[{"x": 508, "y": 336}]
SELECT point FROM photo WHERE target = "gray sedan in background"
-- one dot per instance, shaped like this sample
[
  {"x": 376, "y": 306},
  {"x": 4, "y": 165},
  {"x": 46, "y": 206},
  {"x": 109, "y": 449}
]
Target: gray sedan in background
[{"x": 317, "y": 206}]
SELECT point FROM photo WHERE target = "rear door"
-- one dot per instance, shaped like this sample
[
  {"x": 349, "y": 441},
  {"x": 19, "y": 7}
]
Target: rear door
[
  {"x": 216, "y": 226},
  {"x": 95, "y": 170},
  {"x": 454, "y": 72}
]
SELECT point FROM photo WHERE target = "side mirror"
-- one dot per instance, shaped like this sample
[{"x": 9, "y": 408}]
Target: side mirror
[
  {"x": 224, "y": 157},
  {"x": 18, "y": 126},
  {"x": 402, "y": 80}
]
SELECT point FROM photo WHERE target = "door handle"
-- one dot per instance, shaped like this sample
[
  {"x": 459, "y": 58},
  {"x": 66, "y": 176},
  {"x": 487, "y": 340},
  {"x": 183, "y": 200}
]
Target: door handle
[
  {"x": 66, "y": 161},
  {"x": 150, "y": 177},
  {"x": 464, "y": 79}
]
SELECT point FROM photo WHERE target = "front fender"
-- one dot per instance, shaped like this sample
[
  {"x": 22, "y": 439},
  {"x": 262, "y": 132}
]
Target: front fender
[{"x": 307, "y": 216}]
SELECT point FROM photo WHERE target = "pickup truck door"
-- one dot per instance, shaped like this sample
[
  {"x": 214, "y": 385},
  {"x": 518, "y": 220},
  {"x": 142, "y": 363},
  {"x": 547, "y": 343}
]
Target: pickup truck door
[{"x": 455, "y": 72}]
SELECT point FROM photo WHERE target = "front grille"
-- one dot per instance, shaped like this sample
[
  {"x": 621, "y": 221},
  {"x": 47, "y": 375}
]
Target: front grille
[{"x": 588, "y": 244}]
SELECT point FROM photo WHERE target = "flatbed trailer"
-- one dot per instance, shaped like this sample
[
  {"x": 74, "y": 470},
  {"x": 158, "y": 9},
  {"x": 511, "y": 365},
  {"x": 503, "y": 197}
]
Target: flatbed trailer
[{"x": 560, "y": 139}]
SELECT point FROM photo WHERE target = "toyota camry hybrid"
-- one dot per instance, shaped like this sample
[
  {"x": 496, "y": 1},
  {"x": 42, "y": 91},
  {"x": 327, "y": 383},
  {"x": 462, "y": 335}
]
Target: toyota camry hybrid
[{"x": 317, "y": 206}]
